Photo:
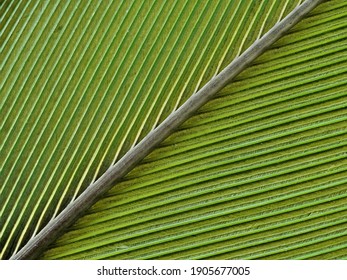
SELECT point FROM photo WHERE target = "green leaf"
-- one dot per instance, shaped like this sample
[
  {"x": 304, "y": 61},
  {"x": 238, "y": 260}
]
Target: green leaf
[{"x": 258, "y": 172}]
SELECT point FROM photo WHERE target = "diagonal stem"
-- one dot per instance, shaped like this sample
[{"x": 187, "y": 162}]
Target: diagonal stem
[{"x": 74, "y": 210}]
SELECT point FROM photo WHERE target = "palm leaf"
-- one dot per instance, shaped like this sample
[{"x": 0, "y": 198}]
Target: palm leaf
[{"x": 258, "y": 172}]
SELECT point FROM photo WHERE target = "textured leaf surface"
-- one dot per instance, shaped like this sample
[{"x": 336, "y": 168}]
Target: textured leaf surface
[{"x": 259, "y": 172}]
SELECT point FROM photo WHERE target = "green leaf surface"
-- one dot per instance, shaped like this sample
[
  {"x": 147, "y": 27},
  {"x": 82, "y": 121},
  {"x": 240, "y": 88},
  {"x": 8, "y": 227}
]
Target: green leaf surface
[{"x": 258, "y": 173}]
